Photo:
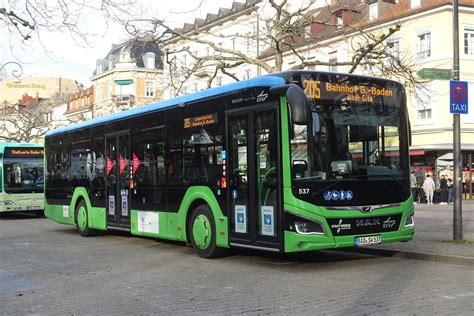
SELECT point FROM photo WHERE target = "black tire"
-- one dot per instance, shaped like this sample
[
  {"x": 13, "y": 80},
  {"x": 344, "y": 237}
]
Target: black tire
[
  {"x": 205, "y": 248},
  {"x": 83, "y": 226}
]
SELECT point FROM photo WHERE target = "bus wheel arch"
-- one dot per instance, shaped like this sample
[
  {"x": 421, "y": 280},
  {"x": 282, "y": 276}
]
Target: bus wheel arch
[
  {"x": 195, "y": 204},
  {"x": 81, "y": 219},
  {"x": 201, "y": 230}
]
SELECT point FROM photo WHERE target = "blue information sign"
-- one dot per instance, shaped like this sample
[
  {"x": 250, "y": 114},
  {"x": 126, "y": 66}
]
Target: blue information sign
[{"x": 458, "y": 97}]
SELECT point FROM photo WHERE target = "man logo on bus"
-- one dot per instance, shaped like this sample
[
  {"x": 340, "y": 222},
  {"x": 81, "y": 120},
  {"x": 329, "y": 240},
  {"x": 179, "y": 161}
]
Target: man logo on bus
[{"x": 262, "y": 97}]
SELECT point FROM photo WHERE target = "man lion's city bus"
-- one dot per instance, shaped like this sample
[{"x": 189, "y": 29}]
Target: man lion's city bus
[
  {"x": 287, "y": 162},
  {"x": 22, "y": 182}
]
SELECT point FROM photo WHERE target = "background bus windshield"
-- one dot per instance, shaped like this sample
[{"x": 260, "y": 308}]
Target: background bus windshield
[{"x": 23, "y": 175}]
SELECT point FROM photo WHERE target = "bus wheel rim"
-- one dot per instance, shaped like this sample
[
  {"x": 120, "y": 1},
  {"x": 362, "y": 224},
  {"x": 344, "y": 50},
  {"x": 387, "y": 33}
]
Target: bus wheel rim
[
  {"x": 202, "y": 231},
  {"x": 81, "y": 218}
]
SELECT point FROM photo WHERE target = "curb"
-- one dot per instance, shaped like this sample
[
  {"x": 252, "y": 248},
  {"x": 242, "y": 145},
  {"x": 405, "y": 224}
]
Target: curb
[{"x": 433, "y": 257}]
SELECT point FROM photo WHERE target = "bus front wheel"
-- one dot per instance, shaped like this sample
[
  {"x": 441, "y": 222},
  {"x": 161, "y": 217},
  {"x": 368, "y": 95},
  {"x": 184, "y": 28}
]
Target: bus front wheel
[
  {"x": 82, "y": 222},
  {"x": 202, "y": 232}
]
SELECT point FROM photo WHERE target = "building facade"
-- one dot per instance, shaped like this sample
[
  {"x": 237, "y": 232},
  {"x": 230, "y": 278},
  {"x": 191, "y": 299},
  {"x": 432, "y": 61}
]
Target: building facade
[
  {"x": 45, "y": 87},
  {"x": 80, "y": 105},
  {"x": 130, "y": 75}
]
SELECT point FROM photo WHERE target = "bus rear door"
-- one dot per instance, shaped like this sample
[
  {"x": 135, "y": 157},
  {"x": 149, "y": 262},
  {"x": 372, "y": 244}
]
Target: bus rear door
[{"x": 118, "y": 180}]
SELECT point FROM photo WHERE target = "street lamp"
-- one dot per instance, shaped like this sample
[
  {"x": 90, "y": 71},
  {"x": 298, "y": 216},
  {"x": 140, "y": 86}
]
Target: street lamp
[{"x": 13, "y": 68}]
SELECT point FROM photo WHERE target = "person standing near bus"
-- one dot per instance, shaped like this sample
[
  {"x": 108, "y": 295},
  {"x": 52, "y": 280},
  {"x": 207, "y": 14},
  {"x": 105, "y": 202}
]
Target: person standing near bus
[
  {"x": 443, "y": 186},
  {"x": 429, "y": 187},
  {"x": 450, "y": 191}
]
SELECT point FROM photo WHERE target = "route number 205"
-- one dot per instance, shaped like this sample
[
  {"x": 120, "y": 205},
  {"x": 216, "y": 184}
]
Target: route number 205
[{"x": 312, "y": 89}]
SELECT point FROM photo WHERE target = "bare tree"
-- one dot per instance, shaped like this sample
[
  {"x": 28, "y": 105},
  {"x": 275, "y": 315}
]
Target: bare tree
[
  {"x": 275, "y": 30},
  {"x": 31, "y": 20},
  {"x": 24, "y": 124}
]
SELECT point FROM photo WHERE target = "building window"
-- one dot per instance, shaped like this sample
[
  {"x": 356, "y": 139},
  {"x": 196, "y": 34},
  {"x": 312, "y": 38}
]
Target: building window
[
  {"x": 247, "y": 43},
  {"x": 82, "y": 102},
  {"x": 98, "y": 92},
  {"x": 340, "y": 21},
  {"x": 333, "y": 61},
  {"x": 423, "y": 103},
  {"x": 424, "y": 45},
  {"x": 149, "y": 89},
  {"x": 415, "y": 3},
  {"x": 393, "y": 47},
  {"x": 307, "y": 31},
  {"x": 469, "y": 40},
  {"x": 424, "y": 115},
  {"x": 109, "y": 90},
  {"x": 48, "y": 117},
  {"x": 373, "y": 11}
]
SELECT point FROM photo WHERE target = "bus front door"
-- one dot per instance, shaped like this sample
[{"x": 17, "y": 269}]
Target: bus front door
[
  {"x": 254, "y": 179},
  {"x": 118, "y": 180}
]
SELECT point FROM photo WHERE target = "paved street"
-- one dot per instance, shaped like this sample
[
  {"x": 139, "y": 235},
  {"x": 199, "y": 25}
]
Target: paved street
[{"x": 47, "y": 268}]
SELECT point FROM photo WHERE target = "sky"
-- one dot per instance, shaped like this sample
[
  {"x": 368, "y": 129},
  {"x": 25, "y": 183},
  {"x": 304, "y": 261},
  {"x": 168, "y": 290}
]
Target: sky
[{"x": 58, "y": 55}]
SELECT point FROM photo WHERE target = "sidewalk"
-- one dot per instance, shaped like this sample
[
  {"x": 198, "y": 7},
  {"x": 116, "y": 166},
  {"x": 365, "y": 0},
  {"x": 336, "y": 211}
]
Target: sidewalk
[{"x": 433, "y": 231}]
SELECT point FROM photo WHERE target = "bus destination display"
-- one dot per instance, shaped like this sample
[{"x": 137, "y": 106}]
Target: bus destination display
[
  {"x": 316, "y": 89},
  {"x": 24, "y": 152}
]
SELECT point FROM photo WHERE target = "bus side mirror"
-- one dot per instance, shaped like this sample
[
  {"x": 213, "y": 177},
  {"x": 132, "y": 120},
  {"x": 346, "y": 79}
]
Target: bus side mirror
[{"x": 297, "y": 102}]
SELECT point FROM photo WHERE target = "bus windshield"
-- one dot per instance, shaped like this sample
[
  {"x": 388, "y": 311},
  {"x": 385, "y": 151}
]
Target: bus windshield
[
  {"x": 23, "y": 175},
  {"x": 347, "y": 141},
  {"x": 355, "y": 148}
]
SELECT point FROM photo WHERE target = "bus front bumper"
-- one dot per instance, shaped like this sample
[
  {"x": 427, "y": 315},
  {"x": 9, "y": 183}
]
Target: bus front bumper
[{"x": 295, "y": 242}]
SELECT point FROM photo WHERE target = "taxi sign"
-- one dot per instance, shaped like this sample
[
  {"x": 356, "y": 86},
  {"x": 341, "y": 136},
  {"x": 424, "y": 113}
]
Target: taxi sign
[{"x": 458, "y": 97}]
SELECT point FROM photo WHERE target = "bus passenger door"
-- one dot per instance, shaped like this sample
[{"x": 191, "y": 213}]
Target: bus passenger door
[
  {"x": 118, "y": 180},
  {"x": 254, "y": 179}
]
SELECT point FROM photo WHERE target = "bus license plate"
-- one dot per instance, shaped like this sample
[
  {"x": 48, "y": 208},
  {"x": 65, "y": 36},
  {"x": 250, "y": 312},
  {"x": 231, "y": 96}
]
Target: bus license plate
[
  {"x": 32, "y": 208},
  {"x": 367, "y": 240}
]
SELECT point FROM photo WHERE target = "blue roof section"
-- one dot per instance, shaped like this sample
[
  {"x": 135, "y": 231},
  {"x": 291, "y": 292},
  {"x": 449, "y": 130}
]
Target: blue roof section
[{"x": 264, "y": 81}]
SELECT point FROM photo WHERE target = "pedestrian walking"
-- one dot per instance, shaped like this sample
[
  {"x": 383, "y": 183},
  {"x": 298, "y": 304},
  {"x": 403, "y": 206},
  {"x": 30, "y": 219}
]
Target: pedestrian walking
[
  {"x": 429, "y": 188},
  {"x": 450, "y": 191},
  {"x": 443, "y": 186}
]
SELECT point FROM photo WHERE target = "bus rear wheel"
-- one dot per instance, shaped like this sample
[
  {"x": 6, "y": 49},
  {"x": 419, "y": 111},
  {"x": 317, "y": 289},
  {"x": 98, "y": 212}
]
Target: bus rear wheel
[
  {"x": 202, "y": 232},
  {"x": 82, "y": 221}
]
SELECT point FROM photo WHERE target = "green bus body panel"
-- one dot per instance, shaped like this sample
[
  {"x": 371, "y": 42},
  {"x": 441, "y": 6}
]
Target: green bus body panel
[
  {"x": 96, "y": 215},
  {"x": 201, "y": 192},
  {"x": 171, "y": 225},
  {"x": 294, "y": 242},
  {"x": 166, "y": 225}
]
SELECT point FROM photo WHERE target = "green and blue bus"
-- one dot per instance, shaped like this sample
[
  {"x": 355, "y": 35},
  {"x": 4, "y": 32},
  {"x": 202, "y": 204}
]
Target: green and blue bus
[
  {"x": 22, "y": 181},
  {"x": 287, "y": 162}
]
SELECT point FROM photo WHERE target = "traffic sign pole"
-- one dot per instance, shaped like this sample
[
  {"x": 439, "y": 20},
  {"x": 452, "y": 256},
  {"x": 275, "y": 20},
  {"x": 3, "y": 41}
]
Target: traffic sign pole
[{"x": 457, "y": 163}]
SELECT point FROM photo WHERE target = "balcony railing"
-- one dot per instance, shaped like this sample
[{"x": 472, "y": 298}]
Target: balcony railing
[{"x": 123, "y": 99}]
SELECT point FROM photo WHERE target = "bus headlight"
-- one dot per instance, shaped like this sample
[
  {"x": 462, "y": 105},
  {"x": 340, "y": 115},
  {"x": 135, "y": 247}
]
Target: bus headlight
[
  {"x": 410, "y": 222},
  {"x": 7, "y": 203},
  {"x": 303, "y": 226}
]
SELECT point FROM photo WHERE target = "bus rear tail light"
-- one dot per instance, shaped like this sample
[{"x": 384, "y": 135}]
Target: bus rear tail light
[
  {"x": 410, "y": 222},
  {"x": 303, "y": 226}
]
